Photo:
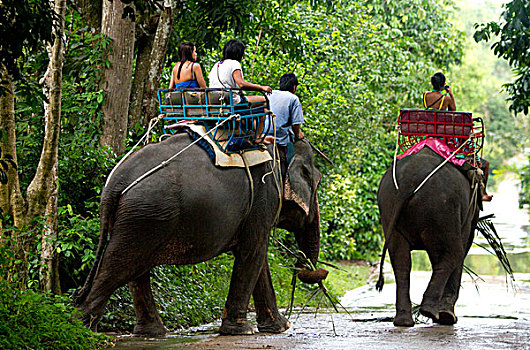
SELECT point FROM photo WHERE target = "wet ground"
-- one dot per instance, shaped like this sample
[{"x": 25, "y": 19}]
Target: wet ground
[{"x": 493, "y": 312}]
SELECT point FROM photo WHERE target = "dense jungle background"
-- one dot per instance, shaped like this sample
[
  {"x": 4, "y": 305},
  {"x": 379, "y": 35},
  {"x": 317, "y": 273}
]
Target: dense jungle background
[{"x": 74, "y": 101}]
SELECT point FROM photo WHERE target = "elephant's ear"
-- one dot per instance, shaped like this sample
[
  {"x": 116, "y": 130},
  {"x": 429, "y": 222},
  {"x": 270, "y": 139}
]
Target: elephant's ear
[{"x": 303, "y": 177}]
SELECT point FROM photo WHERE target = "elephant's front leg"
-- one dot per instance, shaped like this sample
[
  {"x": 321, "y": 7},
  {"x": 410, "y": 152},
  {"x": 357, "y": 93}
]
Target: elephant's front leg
[
  {"x": 248, "y": 262},
  {"x": 147, "y": 319},
  {"x": 399, "y": 251},
  {"x": 269, "y": 318}
]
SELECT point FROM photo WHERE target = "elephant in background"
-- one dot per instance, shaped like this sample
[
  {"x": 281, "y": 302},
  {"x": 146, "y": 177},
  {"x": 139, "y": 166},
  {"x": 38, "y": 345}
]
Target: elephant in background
[
  {"x": 439, "y": 218},
  {"x": 191, "y": 211}
]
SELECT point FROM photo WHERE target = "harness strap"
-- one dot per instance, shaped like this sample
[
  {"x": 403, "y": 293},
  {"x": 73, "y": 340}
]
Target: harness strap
[{"x": 251, "y": 183}]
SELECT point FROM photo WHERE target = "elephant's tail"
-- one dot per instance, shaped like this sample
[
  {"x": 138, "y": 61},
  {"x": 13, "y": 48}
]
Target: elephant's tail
[
  {"x": 79, "y": 296},
  {"x": 381, "y": 280}
]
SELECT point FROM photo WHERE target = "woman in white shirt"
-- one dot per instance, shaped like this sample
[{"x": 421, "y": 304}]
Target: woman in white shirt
[{"x": 227, "y": 73}]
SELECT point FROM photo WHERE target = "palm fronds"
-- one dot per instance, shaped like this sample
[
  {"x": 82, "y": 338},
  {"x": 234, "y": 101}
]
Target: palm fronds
[{"x": 487, "y": 229}]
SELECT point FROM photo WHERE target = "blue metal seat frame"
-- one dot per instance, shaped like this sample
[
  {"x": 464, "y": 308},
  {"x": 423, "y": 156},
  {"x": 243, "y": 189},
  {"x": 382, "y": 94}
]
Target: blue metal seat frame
[{"x": 175, "y": 106}]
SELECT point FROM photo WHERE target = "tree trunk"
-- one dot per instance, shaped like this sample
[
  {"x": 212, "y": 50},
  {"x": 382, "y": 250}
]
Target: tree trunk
[
  {"x": 158, "y": 54},
  {"x": 117, "y": 77},
  {"x": 49, "y": 274},
  {"x": 144, "y": 44},
  {"x": 11, "y": 200},
  {"x": 45, "y": 181}
]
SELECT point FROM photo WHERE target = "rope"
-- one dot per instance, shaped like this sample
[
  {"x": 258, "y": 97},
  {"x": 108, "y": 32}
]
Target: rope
[
  {"x": 151, "y": 126},
  {"x": 163, "y": 164},
  {"x": 441, "y": 165},
  {"x": 273, "y": 116},
  {"x": 251, "y": 182},
  {"x": 275, "y": 165},
  {"x": 395, "y": 158}
]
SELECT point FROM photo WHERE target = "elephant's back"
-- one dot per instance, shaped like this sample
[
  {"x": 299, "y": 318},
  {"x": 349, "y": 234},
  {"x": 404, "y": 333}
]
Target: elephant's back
[
  {"x": 425, "y": 193},
  {"x": 185, "y": 198}
]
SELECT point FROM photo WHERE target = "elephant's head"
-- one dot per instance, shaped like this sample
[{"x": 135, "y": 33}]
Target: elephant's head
[{"x": 300, "y": 213}]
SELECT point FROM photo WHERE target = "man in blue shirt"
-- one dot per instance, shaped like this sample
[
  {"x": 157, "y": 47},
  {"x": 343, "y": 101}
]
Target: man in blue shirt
[{"x": 289, "y": 117}]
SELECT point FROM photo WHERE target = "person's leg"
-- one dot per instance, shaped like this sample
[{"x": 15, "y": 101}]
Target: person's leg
[{"x": 485, "y": 167}]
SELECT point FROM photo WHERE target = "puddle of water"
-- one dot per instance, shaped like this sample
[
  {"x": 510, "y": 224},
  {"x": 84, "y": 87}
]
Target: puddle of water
[{"x": 171, "y": 341}]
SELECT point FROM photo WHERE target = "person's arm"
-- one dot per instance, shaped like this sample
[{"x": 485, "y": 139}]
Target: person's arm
[
  {"x": 297, "y": 118},
  {"x": 238, "y": 78},
  {"x": 451, "y": 102},
  {"x": 298, "y": 134},
  {"x": 172, "y": 80},
  {"x": 198, "y": 76}
]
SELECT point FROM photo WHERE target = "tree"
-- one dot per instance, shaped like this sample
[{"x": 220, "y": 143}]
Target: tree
[
  {"x": 513, "y": 33},
  {"x": 118, "y": 23},
  {"x": 39, "y": 199},
  {"x": 52, "y": 82}
]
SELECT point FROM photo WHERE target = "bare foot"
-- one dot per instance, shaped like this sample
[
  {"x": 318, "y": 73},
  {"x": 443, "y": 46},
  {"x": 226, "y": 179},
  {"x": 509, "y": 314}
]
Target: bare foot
[
  {"x": 268, "y": 140},
  {"x": 487, "y": 197}
]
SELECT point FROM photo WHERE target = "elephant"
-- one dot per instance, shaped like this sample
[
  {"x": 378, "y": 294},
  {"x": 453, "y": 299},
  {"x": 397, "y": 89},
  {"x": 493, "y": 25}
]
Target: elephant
[
  {"x": 190, "y": 211},
  {"x": 439, "y": 218}
]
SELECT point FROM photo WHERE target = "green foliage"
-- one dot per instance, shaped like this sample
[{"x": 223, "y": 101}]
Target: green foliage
[
  {"x": 512, "y": 44},
  {"x": 476, "y": 84},
  {"x": 31, "y": 320},
  {"x": 41, "y": 321},
  {"x": 24, "y": 26}
]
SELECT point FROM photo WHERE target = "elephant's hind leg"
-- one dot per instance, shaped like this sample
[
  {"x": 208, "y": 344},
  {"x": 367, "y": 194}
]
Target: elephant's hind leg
[
  {"x": 399, "y": 251},
  {"x": 443, "y": 267},
  {"x": 270, "y": 320},
  {"x": 447, "y": 304},
  {"x": 147, "y": 319}
]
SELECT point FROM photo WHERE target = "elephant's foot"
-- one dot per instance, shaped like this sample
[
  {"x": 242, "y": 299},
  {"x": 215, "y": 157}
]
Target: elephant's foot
[
  {"x": 277, "y": 324},
  {"x": 153, "y": 329},
  {"x": 403, "y": 319},
  {"x": 446, "y": 317},
  {"x": 239, "y": 327},
  {"x": 430, "y": 311}
]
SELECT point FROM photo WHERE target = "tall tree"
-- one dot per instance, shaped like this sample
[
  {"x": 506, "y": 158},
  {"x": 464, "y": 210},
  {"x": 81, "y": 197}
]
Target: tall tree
[
  {"x": 52, "y": 86},
  {"x": 150, "y": 59},
  {"x": 25, "y": 210},
  {"x": 118, "y": 23}
]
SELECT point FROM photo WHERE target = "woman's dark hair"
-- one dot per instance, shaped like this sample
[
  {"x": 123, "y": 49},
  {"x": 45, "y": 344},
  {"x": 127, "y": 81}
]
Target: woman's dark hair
[
  {"x": 438, "y": 81},
  {"x": 234, "y": 50},
  {"x": 185, "y": 54},
  {"x": 288, "y": 81}
]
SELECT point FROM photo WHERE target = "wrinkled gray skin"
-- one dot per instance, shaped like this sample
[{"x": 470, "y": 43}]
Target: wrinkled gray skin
[
  {"x": 439, "y": 219},
  {"x": 188, "y": 212}
]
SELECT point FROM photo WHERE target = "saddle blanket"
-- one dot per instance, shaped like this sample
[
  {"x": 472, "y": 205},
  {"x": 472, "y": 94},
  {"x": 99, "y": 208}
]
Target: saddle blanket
[
  {"x": 251, "y": 157},
  {"x": 437, "y": 146}
]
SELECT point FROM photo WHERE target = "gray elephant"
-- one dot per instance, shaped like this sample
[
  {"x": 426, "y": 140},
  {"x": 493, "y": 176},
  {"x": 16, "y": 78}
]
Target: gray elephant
[
  {"x": 190, "y": 211},
  {"x": 439, "y": 218}
]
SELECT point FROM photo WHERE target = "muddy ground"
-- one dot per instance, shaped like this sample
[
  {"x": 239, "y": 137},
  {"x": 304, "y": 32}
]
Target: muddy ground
[{"x": 492, "y": 317}]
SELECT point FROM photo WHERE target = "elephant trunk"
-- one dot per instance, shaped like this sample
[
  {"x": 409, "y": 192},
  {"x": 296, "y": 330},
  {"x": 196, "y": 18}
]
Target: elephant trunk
[{"x": 309, "y": 238}]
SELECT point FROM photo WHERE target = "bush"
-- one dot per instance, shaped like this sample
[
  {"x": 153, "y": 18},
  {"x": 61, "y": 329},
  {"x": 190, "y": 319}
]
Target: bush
[{"x": 31, "y": 320}]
